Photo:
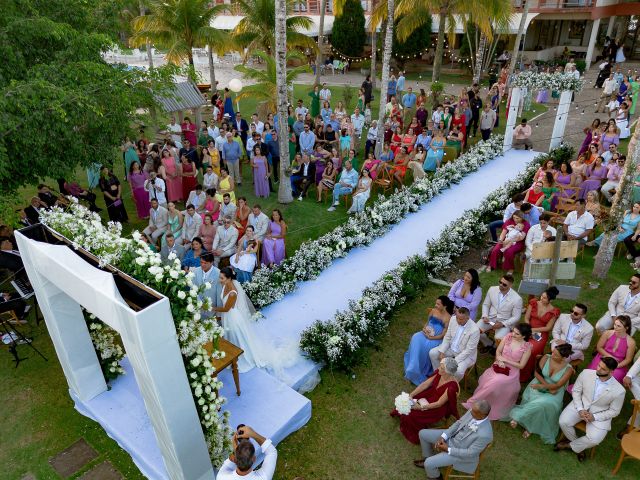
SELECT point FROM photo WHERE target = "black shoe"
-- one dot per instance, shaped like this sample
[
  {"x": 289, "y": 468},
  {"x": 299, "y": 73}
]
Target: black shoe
[
  {"x": 582, "y": 456},
  {"x": 621, "y": 433},
  {"x": 562, "y": 445}
]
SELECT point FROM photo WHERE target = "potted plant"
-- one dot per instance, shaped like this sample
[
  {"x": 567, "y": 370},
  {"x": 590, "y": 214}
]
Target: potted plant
[{"x": 436, "y": 89}]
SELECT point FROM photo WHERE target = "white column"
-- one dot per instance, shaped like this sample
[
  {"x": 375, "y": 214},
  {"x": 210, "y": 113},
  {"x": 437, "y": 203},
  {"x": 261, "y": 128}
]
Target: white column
[
  {"x": 592, "y": 42},
  {"x": 512, "y": 116},
  {"x": 612, "y": 22},
  {"x": 561, "y": 118}
]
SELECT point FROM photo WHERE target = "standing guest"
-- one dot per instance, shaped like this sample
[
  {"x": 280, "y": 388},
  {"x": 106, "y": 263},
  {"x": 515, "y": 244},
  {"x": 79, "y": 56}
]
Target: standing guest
[
  {"x": 522, "y": 136},
  {"x": 307, "y": 140},
  {"x": 191, "y": 259},
  {"x": 417, "y": 365},
  {"x": 372, "y": 138},
  {"x": 112, "y": 192},
  {"x": 224, "y": 244},
  {"x": 240, "y": 462},
  {"x": 400, "y": 84},
  {"x": 130, "y": 154},
  {"x": 357, "y": 119},
  {"x": 325, "y": 94},
  {"x": 509, "y": 248},
  {"x": 466, "y": 292},
  {"x": 192, "y": 221},
  {"x": 391, "y": 88},
  {"x": 205, "y": 274},
  {"x": 346, "y": 184},
  {"x": 460, "y": 342},
  {"x": 579, "y": 223},
  {"x": 156, "y": 188},
  {"x": 617, "y": 343},
  {"x": 170, "y": 174},
  {"x": 367, "y": 86},
  {"x": 541, "y": 315},
  {"x": 573, "y": 329},
  {"x": 207, "y": 231},
  {"x": 189, "y": 131},
  {"x": 175, "y": 130},
  {"x": 361, "y": 193},
  {"x": 315, "y": 101},
  {"x": 625, "y": 300},
  {"x": 541, "y": 403},
  {"x": 609, "y": 87},
  {"x": 476, "y": 104},
  {"x": 589, "y": 133},
  {"x": 259, "y": 221},
  {"x": 460, "y": 445},
  {"x": 501, "y": 310},
  {"x": 409, "y": 100},
  {"x": 158, "y": 221},
  {"x": 231, "y": 152},
  {"x": 245, "y": 259},
  {"x": 487, "y": 121},
  {"x": 197, "y": 198},
  {"x": 189, "y": 173},
  {"x": 273, "y": 247},
  {"x": 500, "y": 385},
  {"x": 242, "y": 127},
  {"x": 261, "y": 173},
  {"x": 439, "y": 395},
  {"x": 274, "y": 154},
  {"x": 170, "y": 247},
  {"x": 597, "y": 399},
  {"x": 137, "y": 179}
]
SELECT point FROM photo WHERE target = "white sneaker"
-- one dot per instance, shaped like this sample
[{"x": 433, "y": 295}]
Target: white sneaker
[
  {"x": 335, "y": 204},
  {"x": 331, "y": 209},
  {"x": 300, "y": 198}
]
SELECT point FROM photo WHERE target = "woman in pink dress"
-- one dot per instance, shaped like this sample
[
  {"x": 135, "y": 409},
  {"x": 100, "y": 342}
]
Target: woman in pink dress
[
  {"x": 211, "y": 205},
  {"x": 500, "y": 385},
  {"x": 136, "y": 178},
  {"x": 189, "y": 177},
  {"x": 207, "y": 232},
  {"x": 508, "y": 253},
  {"x": 170, "y": 174},
  {"x": 619, "y": 344},
  {"x": 273, "y": 248},
  {"x": 189, "y": 131}
]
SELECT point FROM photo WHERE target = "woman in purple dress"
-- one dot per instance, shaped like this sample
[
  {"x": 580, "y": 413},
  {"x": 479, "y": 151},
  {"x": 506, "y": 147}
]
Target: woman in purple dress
[
  {"x": 589, "y": 133},
  {"x": 565, "y": 179},
  {"x": 261, "y": 173},
  {"x": 466, "y": 292},
  {"x": 136, "y": 178},
  {"x": 595, "y": 174},
  {"x": 273, "y": 251},
  {"x": 612, "y": 136}
]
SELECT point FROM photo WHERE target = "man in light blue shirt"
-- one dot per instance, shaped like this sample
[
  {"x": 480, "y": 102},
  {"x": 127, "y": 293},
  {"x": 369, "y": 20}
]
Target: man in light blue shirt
[
  {"x": 307, "y": 141},
  {"x": 348, "y": 182},
  {"x": 231, "y": 153},
  {"x": 409, "y": 103},
  {"x": 423, "y": 139},
  {"x": 357, "y": 119},
  {"x": 531, "y": 213},
  {"x": 333, "y": 121},
  {"x": 400, "y": 84}
]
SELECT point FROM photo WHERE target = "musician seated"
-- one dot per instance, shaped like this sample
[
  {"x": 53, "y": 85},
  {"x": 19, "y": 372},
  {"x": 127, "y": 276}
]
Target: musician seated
[{"x": 12, "y": 301}]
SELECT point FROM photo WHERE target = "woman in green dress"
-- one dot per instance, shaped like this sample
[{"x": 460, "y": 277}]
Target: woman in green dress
[
  {"x": 635, "y": 88},
  {"x": 315, "y": 102},
  {"x": 541, "y": 403},
  {"x": 550, "y": 190},
  {"x": 130, "y": 155}
]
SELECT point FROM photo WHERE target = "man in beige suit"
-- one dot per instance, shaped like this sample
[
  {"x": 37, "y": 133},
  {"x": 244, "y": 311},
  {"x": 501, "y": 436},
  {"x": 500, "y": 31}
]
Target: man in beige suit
[
  {"x": 460, "y": 342},
  {"x": 224, "y": 245},
  {"x": 574, "y": 329},
  {"x": 501, "y": 310},
  {"x": 625, "y": 300},
  {"x": 597, "y": 399},
  {"x": 191, "y": 226},
  {"x": 158, "y": 221},
  {"x": 632, "y": 382}
]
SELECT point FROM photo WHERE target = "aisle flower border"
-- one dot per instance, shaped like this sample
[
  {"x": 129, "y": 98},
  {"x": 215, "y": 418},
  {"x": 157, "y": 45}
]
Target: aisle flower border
[
  {"x": 341, "y": 342},
  {"x": 270, "y": 285},
  {"x": 84, "y": 230},
  {"x": 558, "y": 82}
]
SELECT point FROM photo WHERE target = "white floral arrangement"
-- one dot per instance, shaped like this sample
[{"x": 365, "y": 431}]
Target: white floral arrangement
[
  {"x": 84, "y": 229},
  {"x": 341, "y": 341},
  {"x": 105, "y": 341},
  {"x": 556, "y": 81},
  {"x": 403, "y": 403},
  {"x": 270, "y": 285}
]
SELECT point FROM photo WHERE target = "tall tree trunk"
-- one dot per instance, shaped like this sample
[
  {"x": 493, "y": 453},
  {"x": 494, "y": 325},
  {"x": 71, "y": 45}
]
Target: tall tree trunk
[
  {"x": 521, "y": 29},
  {"x": 143, "y": 12},
  {"x": 374, "y": 57},
  {"x": 384, "y": 82},
  {"x": 320, "y": 55},
  {"x": 437, "y": 59},
  {"x": 479, "y": 60},
  {"x": 212, "y": 71},
  {"x": 284, "y": 188},
  {"x": 621, "y": 203}
]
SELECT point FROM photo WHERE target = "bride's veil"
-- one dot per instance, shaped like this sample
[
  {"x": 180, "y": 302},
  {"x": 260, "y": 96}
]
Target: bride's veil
[{"x": 242, "y": 301}]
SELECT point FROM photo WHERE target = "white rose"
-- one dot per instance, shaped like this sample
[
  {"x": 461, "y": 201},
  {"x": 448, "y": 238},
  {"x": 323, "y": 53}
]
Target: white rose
[
  {"x": 141, "y": 261},
  {"x": 190, "y": 308},
  {"x": 195, "y": 361},
  {"x": 136, "y": 235},
  {"x": 201, "y": 401},
  {"x": 159, "y": 277},
  {"x": 182, "y": 295},
  {"x": 174, "y": 273},
  {"x": 207, "y": 285},
  {"x": 197, "y": 316}
]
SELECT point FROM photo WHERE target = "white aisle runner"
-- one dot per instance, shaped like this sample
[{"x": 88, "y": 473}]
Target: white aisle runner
[{"x": 347, "y": 277}]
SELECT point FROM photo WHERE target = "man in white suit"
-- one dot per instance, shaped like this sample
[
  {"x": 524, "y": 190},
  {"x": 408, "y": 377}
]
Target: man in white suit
[
  {"x": 260, "y": 222},
  {"x": 224, "y": 245},
  {"x": 208, "y": 273},
  {"x": 460, "y": 342},
  {"x": 158, "y": 221},
  {"x": 191, "y": 226},
  {"x": 574, "y": 329},
  {"x": 501, "y": 310},
  {"x": 625, "y": 300},
  {"x": 632, "y": 382},
  {"x": 197, "y": 198},
  {"x": 170, "y": 247},
  {"x": 597, "y": 399}
]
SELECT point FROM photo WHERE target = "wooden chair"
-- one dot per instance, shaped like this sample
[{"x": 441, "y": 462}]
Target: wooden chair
[
  {"x": 630, "y": 443},
  {"x": 566, "y": 196},
  {"x": 465, "y": 379},
  {"x": 449, "y": 472},
  {"x": 384, "y": 180}
]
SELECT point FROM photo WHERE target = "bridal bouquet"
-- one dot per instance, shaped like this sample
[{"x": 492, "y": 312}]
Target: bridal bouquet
[{"x": 404, "y": 403}]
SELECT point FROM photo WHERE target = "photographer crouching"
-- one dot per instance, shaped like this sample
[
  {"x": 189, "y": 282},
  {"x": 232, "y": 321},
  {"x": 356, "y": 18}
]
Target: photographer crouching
[{"x": 240, "y": 462}]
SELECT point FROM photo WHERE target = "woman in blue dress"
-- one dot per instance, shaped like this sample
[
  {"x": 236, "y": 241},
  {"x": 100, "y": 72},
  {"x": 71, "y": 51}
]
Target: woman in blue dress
[
  {"x": 228, "y": 104},
  {"x": 435, "y": 152},
  {"x": 628, "y": 226},
  {"x": 417, "y": 364}
]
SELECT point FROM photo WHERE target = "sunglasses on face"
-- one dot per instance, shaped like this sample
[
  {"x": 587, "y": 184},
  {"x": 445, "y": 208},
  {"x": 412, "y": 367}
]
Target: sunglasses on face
[
  {"x": 576, "y": 313},
  {"x": 504, "y": 284}
]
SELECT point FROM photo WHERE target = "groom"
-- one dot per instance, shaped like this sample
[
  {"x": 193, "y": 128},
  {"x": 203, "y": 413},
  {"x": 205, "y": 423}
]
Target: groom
[
  {"x": 460, "y": 445},
  {"x": 207, "y": 272}
]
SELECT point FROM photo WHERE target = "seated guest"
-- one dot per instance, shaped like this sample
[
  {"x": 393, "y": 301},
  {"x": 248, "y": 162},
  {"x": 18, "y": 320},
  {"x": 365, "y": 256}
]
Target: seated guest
[
  {"x": 328, "y": 180},
  {"x": 632, "y": 382},
  {"x": 75, "y": 190},
  {"x": 629, "y": 226},
  {"x": 539, "y": 233},
  {"x": 207, "y": 232},
  {"x": 579, "y": 223},
  {"x": 227, "y": 208},
  {"x": 501, "y": 310},
  {"x": 273, "y": 246},
  {"x": 13, "y": 301},
  {"x": 541, "y": 315},
  {"x": 466, "y": 292},
  {"x": 208, "y": 273},
  {"x": 417, "y": 366},
  {"x": 348, "y": 181},
  {"x": 158, "y": 221},
  {"x": 197, "y": 198},
  {"x": 460, "y": 445},
  {"x": 615, "y": 171},
  {"x": 169, "y": 247},
  {"x": 510, "y": 243},
  {"x": 191, "y": 225},
  {"x": 619, "y": 344},
  {"x": 597, "y": 399},
  {"x": 245, "y": 259},
  {"x": 240, "y": 462},
  {"x": 625, "y": 300},
  {"x": 516, "y": 203},
  {"x": 541, "y": 403},
  {"x": 531, "y": 213},
  {"x": 44, "y": 193},
  {"x": 535, "y": 195},
  {"x": 573, "y": 329},
  {"x": 361, "y": 193},
  {"x": 372, "y": 164},
  {"x": 436, "y": 399},
  {"x": 259, "y": 221},
  {"x": 303, "y": 177},
  {"x": 33, "y": 210},
  {"x": 191, "y": 259},
  {"x": 460, "y": 342},
  {"x": 224, "y": 244},
  {"x": 500, "y": 385},
  {"x": 10, "y": 256}
]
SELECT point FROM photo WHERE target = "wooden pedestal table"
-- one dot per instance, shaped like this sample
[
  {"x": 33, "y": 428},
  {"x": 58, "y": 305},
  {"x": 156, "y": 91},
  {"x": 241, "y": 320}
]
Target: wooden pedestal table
[{"x": 232, "y": 353}]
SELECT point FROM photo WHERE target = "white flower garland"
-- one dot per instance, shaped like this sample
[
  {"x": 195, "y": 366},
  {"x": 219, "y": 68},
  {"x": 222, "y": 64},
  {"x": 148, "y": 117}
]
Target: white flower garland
[
  {"x": 558, "y": 82},
  {"x": 104, "y": 340},
  {"x": 84, "y": 229},
  {"x": 270, "y": 285},
  {"x": 340, "y": 342}
]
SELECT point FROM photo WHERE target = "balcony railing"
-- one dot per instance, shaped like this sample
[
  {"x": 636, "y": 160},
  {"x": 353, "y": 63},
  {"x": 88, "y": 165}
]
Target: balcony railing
[{"x": 538, "y": 5}]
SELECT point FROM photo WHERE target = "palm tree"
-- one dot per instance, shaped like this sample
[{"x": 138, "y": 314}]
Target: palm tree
[
  {"x": 521, "y": 29},
  {"x": 179, "y": 26},
  {"x": 319, "y": 59},
  {"x": 386, "y": 59},
  {"x": 265, "y": 86},
  {"x": 256, "y": 30}
]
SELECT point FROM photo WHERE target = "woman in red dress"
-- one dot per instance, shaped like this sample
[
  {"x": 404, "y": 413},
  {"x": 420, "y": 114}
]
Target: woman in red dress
[
  {"x": 541, "y": 315},
  {"x": 189, "y": 177},
  {"x": 460, "y": 120},
  {"x": 440, "y": 391},
  {"x": 535, "y": 195}
]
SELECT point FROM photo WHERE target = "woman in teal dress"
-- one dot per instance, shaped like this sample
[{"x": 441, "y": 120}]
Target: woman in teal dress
[
  {"x": 541, "y": 403},
  {"x": 550, "y": 190},
  {"x": 635, "y": 88},
  {"x": 636, "y": 186},
  {"x": 315, "y": 102},
  {"x": 435, "y": 152},
  {"x": 175, "y": 224},
  {"x": 417, "y": 364},
  {"x": 130, "y": 155},
  {"x": 629, "y": 225}
]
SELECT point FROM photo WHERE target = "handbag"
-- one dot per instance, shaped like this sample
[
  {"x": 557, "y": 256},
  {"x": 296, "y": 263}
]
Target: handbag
[
  {"x": 502, "y": 370},
  {"x": 117, "y": 203}
]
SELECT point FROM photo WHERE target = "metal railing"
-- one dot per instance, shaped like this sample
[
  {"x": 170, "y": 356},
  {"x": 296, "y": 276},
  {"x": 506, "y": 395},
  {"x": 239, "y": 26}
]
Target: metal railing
[{"x": 537, "y": 5}]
